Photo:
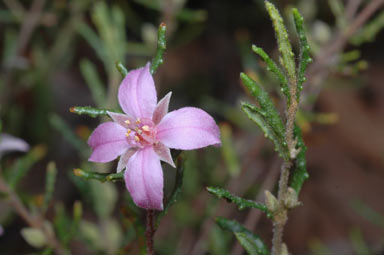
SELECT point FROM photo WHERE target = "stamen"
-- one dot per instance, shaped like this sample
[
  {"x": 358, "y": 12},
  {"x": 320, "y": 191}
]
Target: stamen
[
  {"x": 137, "y": 138},
  {"x": 145, "y": 128},
  {"x": 138, "y": 121},
  {"x": 127, "y": 122},
  {"x": 138, "y": 130}
]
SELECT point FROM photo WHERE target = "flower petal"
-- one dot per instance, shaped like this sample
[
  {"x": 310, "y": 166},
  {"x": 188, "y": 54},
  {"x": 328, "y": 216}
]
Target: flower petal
[
  {"x": 187, "y": 129},
  {"x": 161, "y": 108},
  {"x": 137, "y": 93},
  {"x": 124, "y": 159},
  {"x": 144, "y": 179},
  {"x": 164, "y": 153},
  {"x": 120, "y": 118},
  {"x": 108, "y": 141},
  {"x": 10, "y": 143}
]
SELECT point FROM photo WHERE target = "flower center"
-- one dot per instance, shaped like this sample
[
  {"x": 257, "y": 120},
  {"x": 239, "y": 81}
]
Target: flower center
[{"x": 141, "y": 133}]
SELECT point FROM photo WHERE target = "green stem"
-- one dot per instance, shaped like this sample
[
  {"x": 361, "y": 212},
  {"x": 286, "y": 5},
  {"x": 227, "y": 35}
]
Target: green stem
[{"x": 161, "y": 47}]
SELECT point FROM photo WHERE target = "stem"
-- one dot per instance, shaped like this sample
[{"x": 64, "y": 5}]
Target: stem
[
  {"x": 281, "y": 215},
  {"x": 150, "y": 232}
]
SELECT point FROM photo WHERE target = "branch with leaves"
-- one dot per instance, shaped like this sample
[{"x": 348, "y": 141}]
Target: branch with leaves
[{"x": 287, "y": 139}]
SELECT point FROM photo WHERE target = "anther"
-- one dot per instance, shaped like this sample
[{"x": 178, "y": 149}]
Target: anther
[
  {"x": 127, "y": 122},
  {"x": 138, "y": 121},
  {"x": 137, "y": 138},
  {"x": 145, "y": 128}
]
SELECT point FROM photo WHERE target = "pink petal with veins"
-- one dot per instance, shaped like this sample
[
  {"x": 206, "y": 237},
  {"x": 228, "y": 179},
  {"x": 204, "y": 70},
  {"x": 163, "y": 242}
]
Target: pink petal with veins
[
  {"x": 123, "y": 161},
  {"x": 164, "y": 153},
  {"x": 161, "y": 108},
  {"x": 108, "y": 141},
  {"x": 120, "y": 118},
  {"x": 144, "y": 179},
  {"x": 137, "y": 93},
  {"x": 188, "y": 128}
]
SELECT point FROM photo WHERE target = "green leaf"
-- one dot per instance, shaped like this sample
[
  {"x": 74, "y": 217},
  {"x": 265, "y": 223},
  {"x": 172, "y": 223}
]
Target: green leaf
[
  {"x": 161, "y": 47},
  {"x": 251, "y": 242},
  {"x": 368, "y": 212},
  {"x": 24, "y": 164},
  {"x": 177, "y": 188},
  {"x": 34, "y": 237},
  {"x": 49, "y": 184},
  {"x": 90, "y": 111},
  {"x": 93, "y": 39},
  {"x": 299, "y": 174},
  {"x": 285, "y": 48},
  {"x": 266, "y": 104},
  {"x": 304, "y": 58},
  {"x": 102, "y": 177},
  {"x": 91, "y": 76},
  {"x": 121, "y": 68},
  {"x": 273, "y": 67},
  {"x": 259, "y": 117},
  {"x": 240, "y": 202}
]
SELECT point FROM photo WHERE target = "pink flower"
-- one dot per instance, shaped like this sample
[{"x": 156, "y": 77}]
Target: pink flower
[
  {"x": 10, "y": 143},
  {"x": 143, "y": 135}
]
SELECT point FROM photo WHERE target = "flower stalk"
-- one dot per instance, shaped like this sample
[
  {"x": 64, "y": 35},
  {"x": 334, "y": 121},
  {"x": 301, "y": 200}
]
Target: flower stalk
[{"x": 150, "y": 231}]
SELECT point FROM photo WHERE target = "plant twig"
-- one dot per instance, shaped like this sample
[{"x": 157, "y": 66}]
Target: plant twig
[
  {"x": 150, "y": 232},
  {"x": 319, "y": 70},
  {"x": 33, "y": 221}
]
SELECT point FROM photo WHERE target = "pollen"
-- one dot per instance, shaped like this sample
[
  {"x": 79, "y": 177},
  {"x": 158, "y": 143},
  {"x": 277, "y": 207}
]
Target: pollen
[
  {"x": 128, "y": 132},
  {"x": 145, "y": 128}
]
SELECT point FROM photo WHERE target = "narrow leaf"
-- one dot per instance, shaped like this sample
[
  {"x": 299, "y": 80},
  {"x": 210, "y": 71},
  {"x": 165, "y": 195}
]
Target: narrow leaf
[
  {"x": 367, "y": 212},
  {"x": 304, "y": 58},
  {"x": 251, "y": 242},
  {"x": 121, "y": 68},
  {"x": 273, "y": 67},
  {"x": 259, "y": 117},
  {"x": 49, "y": 184},
  {"x": 285, "y": 48},
  {"x": 299, "y": 174},
  {"x": 269, "y": 111},
  {"x": 240, "y": 202},
  {"x": 91, "y": 76},
  {"x": 247, "y": 243},
  {"x": 102, "y": 177},
  {"x": 161, "y": 47},
  {"x": 90, "y": 111}
]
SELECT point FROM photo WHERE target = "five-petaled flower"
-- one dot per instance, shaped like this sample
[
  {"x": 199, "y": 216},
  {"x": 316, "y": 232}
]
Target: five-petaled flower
[{"x": 143, "y": 135}]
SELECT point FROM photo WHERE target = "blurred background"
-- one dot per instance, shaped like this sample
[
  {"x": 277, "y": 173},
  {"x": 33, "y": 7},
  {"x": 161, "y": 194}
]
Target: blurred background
[{"x": 60, "y": 53}]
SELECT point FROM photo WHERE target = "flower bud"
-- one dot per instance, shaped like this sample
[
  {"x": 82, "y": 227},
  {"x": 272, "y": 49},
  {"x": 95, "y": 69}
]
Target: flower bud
[
  {"x": 284, "y": 249},
  {"x": 291, "y": 199},
  {"x": 271, "y": 201}
]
